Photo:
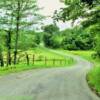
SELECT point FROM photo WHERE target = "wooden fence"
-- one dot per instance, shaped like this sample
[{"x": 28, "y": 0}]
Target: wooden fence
[
  {"x": 34, "y": 59},
  {"x": 45, "y": 60}
]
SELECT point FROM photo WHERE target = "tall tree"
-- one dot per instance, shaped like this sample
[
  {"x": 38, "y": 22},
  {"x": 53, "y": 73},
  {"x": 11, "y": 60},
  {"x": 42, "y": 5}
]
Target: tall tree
[
  {"x": 23, "y": 10},
  {"x": 86, "y": 10},
  {"x": 50, "y": 31},
  {"x": 6, "y": 21},
  {"x": 2, "y": 36},
  {"x": 23, "y": 13}
]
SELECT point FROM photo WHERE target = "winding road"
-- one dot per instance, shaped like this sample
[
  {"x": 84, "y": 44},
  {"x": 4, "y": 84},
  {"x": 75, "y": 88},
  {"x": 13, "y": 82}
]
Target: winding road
[{"x": 49, "y": 84}]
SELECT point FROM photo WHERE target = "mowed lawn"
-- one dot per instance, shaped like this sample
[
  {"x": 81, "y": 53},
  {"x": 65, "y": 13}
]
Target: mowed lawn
[
  {"x": 94, "y": 75},
  {"x": 38, "y": 58}
]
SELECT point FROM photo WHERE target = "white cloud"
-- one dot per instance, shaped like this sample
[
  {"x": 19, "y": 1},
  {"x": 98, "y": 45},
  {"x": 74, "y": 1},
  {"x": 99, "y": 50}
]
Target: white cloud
[{"x": 49, "y": 6}]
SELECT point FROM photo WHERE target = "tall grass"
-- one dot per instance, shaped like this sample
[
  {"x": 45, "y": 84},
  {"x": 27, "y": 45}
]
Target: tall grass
[{"x": 41, "y": 54}]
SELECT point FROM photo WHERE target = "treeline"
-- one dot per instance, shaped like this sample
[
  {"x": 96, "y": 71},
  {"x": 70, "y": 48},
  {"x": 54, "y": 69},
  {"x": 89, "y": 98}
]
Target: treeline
[
  {"x": 70, "y": 39},
  {"x": 88, "y": 12},
  {"x": 16, "y": 18},
  {"x": 27, "y": 40}
]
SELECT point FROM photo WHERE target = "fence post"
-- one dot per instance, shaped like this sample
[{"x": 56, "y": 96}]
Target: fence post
[
  {"x": 45, "y": 61},
  {"x": 65, "y": 61},
  {"x": 54, "y": 61},
  {"x": 33, "y": 59},
  {"x": 27, "y": 58},
  {"x": 60, "y": 61},
  {"x": 18, "y": 60}
]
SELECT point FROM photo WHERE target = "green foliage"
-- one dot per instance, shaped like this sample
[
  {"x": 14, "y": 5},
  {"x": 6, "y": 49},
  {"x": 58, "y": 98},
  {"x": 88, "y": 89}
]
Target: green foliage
[
  {"x": 40, "y": 53},
  {"x": 28, "y": 39},
  {"x": 89, "y": 11},
  {"x": 15, "y": 18},
  {"x": 21, "y": 9},
  {"x": 48, "y": 38},
  {"x": 25, "y": 41},
  {"x": 94, "y": 79},
  {"x": 98, "y": 46},
  {"x": 56, "y": 41},
  {"x": 2, "y": 42},
  {"x": 70, "y": 39},
  {"x": 85, "y": 9},
  {"x": 38, "y": 37},
  {"x": 51, "y": 29},
  {"x": 77, "y": 39}
]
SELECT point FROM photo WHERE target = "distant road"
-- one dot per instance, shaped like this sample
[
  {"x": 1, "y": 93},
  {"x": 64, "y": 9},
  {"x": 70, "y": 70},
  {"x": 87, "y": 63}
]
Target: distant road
[{"x": 49, "y": 84}]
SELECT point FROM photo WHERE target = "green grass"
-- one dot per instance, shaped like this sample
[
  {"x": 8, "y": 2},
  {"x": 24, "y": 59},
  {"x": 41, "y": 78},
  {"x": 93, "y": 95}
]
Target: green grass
[
  {"x": 94, "y": 74},
  {"x": 40, "y": 55}
]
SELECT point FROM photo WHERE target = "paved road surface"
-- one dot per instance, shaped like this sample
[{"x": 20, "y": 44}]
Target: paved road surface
[{"x": 49, "y": 84}]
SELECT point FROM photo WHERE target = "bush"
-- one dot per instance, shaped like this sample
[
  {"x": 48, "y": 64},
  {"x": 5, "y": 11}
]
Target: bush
[
  {"x": 94, "y": 78},
  {"x": 78, "y": 40},
  {"x": 48, "y": 38},
  {"x": 69, "y": 44}
]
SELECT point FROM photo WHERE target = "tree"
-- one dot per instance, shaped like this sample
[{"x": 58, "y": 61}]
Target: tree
[
  {"x": 1, "y": 57},
  {"x": 84, "y": 9},
  {"x": 23, "y": 14},
  {"x": 26, "y": 40},
  {"x": 2, "y": 37},
  {"x": 50, "y": 31},
  {"x": 23, "y": 10},
  {"x": 77, "y": 39},
  {"x": 38, "y": 38},
  {"x": 87, "y": 10},
  {"x": 8, "y": 42},
  {"x": 6, "y": 21}
]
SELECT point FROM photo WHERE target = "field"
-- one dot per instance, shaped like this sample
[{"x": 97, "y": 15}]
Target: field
[{"x": 37, "y": 58}]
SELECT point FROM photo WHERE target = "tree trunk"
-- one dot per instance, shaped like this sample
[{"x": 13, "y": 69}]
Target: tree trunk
[
  {"x": 16, "y": 42},
  {"x": 27, "y": 58},
  {"x": 9, "y": 48},
  {"x": 1, "y": 60},
  {"x": 17, "y": 32}
]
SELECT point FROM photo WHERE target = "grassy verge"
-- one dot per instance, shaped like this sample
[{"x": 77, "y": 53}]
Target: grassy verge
[
  {"x": 94, "y": 75},
  {"x": 40, "y": 54}
]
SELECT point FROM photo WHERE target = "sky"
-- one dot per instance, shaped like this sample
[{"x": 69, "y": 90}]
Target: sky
[{"x": 48, "y": 8}]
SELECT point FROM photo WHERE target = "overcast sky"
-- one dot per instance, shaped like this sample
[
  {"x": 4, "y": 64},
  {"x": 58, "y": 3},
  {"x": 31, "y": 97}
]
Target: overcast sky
[{"x": 49, "y": 6}]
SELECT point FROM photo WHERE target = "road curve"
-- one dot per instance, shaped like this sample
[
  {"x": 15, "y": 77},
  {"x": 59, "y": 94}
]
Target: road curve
[{"x": 49, "y": 84}]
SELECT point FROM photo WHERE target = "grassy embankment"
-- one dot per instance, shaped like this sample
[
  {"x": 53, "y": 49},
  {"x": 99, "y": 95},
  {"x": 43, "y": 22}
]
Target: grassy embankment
[
  {"x": 43, "y": 58},
  {"x": 94, "y": 75}
]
